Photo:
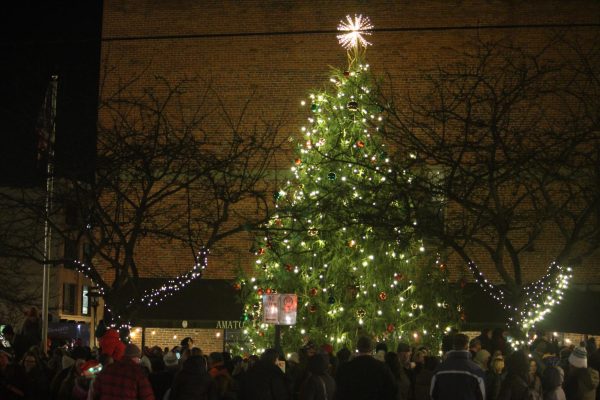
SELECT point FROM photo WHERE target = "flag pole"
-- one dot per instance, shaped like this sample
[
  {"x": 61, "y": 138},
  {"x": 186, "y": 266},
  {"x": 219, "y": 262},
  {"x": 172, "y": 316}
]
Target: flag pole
[{"x": 47, "y": 226}]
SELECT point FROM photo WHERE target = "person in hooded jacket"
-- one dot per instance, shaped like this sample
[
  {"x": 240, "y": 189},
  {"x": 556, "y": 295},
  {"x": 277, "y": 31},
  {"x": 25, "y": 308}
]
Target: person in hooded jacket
[
  {"x": 319, "y": 385},
  {"x": 552, "y": 381},
  {"x": 193, "y": 381},
  {"x": 265, "y": 380}
]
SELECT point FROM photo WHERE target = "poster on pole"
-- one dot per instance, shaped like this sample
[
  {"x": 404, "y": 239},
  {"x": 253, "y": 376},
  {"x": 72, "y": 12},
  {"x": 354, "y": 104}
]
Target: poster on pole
[{"x": 280, "y": 309}]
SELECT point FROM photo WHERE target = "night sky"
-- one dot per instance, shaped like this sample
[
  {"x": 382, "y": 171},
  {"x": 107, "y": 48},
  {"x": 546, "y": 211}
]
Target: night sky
[{"x": 38, "y": 40}]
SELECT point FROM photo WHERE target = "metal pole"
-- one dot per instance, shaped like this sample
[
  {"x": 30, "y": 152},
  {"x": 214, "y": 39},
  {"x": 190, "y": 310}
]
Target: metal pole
[{"x": 47, "y": 227}]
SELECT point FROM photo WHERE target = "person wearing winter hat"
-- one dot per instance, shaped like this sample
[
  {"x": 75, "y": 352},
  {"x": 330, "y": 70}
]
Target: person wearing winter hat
[
  {"x": 124, "y": 379},
  {"x": 581, "y": 382}
]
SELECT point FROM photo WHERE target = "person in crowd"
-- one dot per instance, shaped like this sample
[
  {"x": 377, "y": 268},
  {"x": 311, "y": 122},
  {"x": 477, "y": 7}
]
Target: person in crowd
[
  {"x": 193, "y": 381},
  {"x": 482, "y": 359},
  {"x": 363, "y": 377},
  {"x": 38, "y": 387},
  {"x": 163, "y": 374},
  {"x": 581, "y": 382},
  {"x": 319, "y": 385},
  {"x": 124, "y": 379},
  {"x": 65, "y": 390},
  {"x": 590, "y": 345},
  {"x": 13, "y": 380},
  {"x": 552, "y": 381},
  {"x": 9, "y": 335},
  {"x": 219, "y": 372},
  {"x": 447, "y": 340},
  {"x": 84, "y": 381},
  {"x": 403, "y": 386},
  {"x": 31, "y": 331},
  {"x": 485, "y": 339},
  {"x": 424, "y": 377},
  {"x": 404, "y": 356},
  {"x": 111, "y": 344},
  {"x": 458, "y": 377},
  {"x": 474, "y": 347},
  {"x": 534, "y": 381},
  {"x": 515, "y": 385},
  {"x": 265, "y": 380},
  {"x": 381, "y": 350},
  {"x": 494, "y": 377},
  {"x": 343, "y": 356},
  {"x": 216, "y": 364},
  {"x": 498, "y": 342}
]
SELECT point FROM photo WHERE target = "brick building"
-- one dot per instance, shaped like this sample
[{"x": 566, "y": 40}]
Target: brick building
[{"x": 279, "y": 50}]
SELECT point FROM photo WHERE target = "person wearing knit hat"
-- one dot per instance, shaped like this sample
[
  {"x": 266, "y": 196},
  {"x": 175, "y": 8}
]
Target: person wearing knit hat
[
  {"x": 581, "y": 382},
  {"x": 171, "y": 360},
  {"x": 578, "y": 357}
]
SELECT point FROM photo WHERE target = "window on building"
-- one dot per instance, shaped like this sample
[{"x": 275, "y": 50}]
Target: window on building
[
  {"x": 85, "y": 309},
  {"x": 71, "y": 253},
  {"x": 69, "y": 298}
]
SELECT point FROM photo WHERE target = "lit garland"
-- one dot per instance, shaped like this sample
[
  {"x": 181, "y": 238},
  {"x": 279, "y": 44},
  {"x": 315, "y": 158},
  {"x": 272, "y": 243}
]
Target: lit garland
[
  {"x": 154, "y": 296},
  {"x": 540, "y": 297}
]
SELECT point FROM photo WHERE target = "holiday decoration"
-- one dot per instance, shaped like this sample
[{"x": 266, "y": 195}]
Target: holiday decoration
[
  {"x": 390, "y": 328},
  {"x": 349, "y": 277},
  {"x": 537, "y": 301},
  {"x": 352, "y": 106}
]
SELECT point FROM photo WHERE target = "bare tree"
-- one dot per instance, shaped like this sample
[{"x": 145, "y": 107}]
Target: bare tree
[
  {"x": 174, "y": 170},
  {"x": 506, "y": 145}
]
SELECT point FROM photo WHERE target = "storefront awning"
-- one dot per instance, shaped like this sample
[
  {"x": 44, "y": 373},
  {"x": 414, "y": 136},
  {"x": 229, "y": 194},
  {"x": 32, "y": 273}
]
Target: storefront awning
[{"x": 203, "y": 303}]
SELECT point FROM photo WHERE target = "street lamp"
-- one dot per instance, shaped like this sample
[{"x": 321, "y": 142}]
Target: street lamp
[{"x": 94, "y": 300}]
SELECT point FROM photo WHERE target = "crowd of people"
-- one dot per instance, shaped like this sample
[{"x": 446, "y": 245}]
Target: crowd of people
[{"x": 480, "y": 368}]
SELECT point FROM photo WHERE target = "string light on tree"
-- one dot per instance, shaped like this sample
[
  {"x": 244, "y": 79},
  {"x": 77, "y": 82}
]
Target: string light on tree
[{"x": 347, "y": 274}]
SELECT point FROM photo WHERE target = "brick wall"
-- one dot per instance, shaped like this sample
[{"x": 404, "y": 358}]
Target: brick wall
[
  {"x": 208, "y": 340},
  {"x": 279, "y": 51}
]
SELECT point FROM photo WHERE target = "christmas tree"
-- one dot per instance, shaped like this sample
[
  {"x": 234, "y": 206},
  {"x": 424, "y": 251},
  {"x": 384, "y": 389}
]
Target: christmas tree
[{"x": 350, "y": 278}]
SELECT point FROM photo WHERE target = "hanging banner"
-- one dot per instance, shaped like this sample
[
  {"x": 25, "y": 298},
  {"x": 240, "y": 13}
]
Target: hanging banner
[{"x": 280, "y": 309}]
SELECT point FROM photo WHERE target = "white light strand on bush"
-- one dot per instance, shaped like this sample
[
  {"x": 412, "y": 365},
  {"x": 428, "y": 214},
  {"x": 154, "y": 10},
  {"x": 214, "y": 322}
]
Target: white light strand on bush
[
  {"x": 154, "y": 296},
  {"x": 355, "y": 29}
]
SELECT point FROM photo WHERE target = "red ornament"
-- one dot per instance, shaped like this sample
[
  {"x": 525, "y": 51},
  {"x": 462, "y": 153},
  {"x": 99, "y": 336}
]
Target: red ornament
[
  {"x": 268, "y": 291},
  {"x": 278, "y": 222},
  {"x": 443, "y": 267},
  {"x": 260, "y": 291},
  {"x": 360, "y": 144},
  {"x": 289, "y": 267},
  {"x": 463, "y": 316},
  {"x": 390, "y": 328},
  {"x": 237, "y": 286},
  {"x": 382, "y": 296},
  {"x": 346, "y": 73},
  {"x": 261, "y": 251},
  {"x": 298, "y": 161},
  {"x": 313, "y": 291},
  {"x": 261, "y": 334},
  {"x": 312, "y": 308},
  {"x": 398, "y": 277}
]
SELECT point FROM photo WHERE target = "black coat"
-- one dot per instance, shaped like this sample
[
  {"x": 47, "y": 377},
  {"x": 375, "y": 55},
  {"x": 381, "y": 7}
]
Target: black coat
[
  {"x": 265, "y": 381},
  {"x": 365, "y": 378},
  {"x": 193, "y": 382}
]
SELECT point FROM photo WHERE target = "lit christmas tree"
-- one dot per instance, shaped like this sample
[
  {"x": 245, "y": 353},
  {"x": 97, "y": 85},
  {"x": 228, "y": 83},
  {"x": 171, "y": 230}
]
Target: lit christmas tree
[{"x": 350, "y": 278}]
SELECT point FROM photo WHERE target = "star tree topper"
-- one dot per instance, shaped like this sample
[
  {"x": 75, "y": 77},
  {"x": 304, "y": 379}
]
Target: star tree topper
[{"x": 355, "y": 29}]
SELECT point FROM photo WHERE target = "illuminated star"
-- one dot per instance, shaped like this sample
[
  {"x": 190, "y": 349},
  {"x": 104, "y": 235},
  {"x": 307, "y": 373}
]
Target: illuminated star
[{"x": 355, "y": 29}]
